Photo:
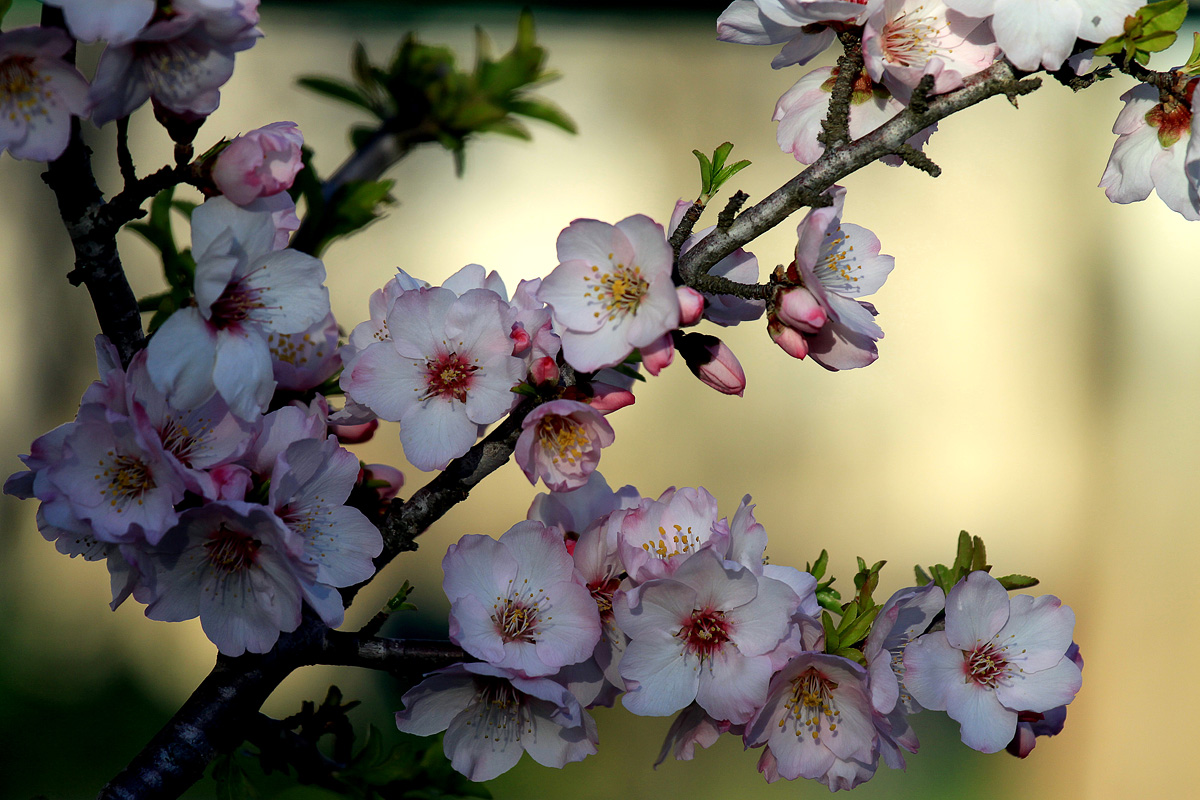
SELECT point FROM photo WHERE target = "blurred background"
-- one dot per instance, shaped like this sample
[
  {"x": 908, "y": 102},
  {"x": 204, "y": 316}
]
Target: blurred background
[{"x": 1039, "y": 386}]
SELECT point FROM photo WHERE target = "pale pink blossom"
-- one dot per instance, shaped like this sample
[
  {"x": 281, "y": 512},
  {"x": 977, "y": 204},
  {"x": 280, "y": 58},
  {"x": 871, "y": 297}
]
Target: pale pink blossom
[
  {"x": 310, "y": 484},
  {"x": 838, "y": 263},
  {"x": 1155, "y": 151},
  {"x": 797, "y": 24},
  {"x": 817, "y": 722},
  {"x": 260, "y": 163},
  {"x": 114, "y": 21},
  {"x": 703, "y": 635},
  {"x": 691, "y": 305},
  {"x": 612, "y": 290},
  {"x": 906, "y": 615},
  {"x": 39, "y": 93},
  {"x": 998, "y": 656},
  {"x": 493, "y": 715},
  {"x": 445, "y": 369},
  {"x": 245, "y": 290},
  {"x": 515, "y": 601},
  {"x": 1036, "y": 34},
  {"x": 904, "y": 40},
  {"x": 1032, "y": 724},
  {"x": 801, "y": 109},
  {"x": 306, "y": 359},
  {"x": 693, "y": 726},
  {"x": 237, "y": 566},
  {"x": 658, "y": 535},
  {"x": 560, "y": 443},
  {"x": 180, "y": 61},
  {"x": 576, "y": 511}
]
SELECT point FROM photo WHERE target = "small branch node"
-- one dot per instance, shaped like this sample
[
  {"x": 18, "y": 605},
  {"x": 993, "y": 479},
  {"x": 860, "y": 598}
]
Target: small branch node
[
  {"x": 727, "y": 215},
  {"x": 915, "y": 158}
]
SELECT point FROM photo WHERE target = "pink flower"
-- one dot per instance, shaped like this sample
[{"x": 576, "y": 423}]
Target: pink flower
[
  {"x": 560, "y": 443},
  {"x": 515, "y": 601},
  {"x": 39, "y": 93},
  {"x": 817, "y": 722},
  {"x": 996, "y": 658},
  {"x": 904, "y": 40},
  {"x": 907, "y": 614},
  {"x": 1041, "y": 33},
  {"x": 656, "y": 537},
  {"x": 305, "y": 359},
  {"x": 739, "y": 266},
  {"x": 260, "y": 163},
  {"x": 838, "y": 263},
  {"x": 115, "y": 21},
  {"x": 1155, "y": 150},
  {"x": 801, "y": 109},
  {"x": 493, "y": 715},
  {"x": 245, "y": 290},
  {"x": 612, "y": 290},
  {"x": 704, "y": 634},
  {"x": 181, "y": 61},
  {"x": 445, "y": 369},
  {"x": 310, "y": 484},
  {"x": 236, "y": 566},
  {"x": 579, "y": 509},
  {"x": 796, "y": 23}
]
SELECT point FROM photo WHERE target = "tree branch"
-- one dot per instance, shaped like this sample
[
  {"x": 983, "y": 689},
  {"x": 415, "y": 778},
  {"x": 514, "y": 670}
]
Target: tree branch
[{"x": 835, "y": 164}]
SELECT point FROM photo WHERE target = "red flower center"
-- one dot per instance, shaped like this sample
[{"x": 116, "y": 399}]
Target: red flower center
[
  {"x": 705, "y": 633},
  {"x": 449, "y": 376},
  {"x": 230, "y": 550},
  {"x": 986, "y": 665}
]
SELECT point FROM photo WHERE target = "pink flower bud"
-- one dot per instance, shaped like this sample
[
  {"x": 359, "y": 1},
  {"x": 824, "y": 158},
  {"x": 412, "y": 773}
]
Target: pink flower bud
[
  {"x": 520, "y": 338},
  {"x": 659, "y": 354},
  {"x": 608, "y": 399},
  {"x": 261, "y": 163},
  {"x": 544, "y": 370},
  {"x": 797, "y": 308},
  {"x": 787, "y": 338},
  {"x": 355, "y": 434},
  {"x": 713, "y": 363},
  {"x": 691, "y": 305},
  {"x": 385, "y": 480}
]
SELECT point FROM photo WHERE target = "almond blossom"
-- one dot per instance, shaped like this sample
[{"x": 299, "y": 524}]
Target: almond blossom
[
  {"x": 445, "y": 369},
  {"x": 904, "y": 40},
  {"x": 39, "y": 93},
  {"x": 114, "y": 21},
  {"x": 260, "y": 163},
  {"x": 237, "y": 566},
  {"x": 493, "y": 715},
  {"x": 1036, "y": 34},
  {"x": 802, "y": 108},
  {"x": 703, "y": 635},
  {"x": 658, "y": 536},
  {"x": 997, "y": 657},
  {"x": 560, "y": 443},
  {"x": 515, "y": 601},
  {"x": 612, "y": 290},
  {"x": 800, "y": 25},
  {"x": 245, "y": 290},
  {"x": 1154, "y": 150},
  {"x": 837, "y": 263}
]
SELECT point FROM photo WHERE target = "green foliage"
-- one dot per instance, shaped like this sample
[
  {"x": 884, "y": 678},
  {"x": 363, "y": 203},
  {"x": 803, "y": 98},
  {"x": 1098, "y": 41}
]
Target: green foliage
[
  {"x": 1152, "y": 29},
  {"x": 399, "y": 601},
  {"x": 714, "y": 173},
  {"x": 421, "y": 95},
  {"x": 970, "y": 556},
  {"x": 828, "y": 597},
  {"x": 352, "y": 207},
  {"x": 5, "y": 5},
  {"x": 179, "y": 268},
  {"x": 1192, "y": 65}
]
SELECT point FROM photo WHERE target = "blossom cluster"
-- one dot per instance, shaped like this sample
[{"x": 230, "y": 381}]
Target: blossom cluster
[
  {"x": 176, "y": 54},
  {"x": 947, "y": 42},
  {"x": 203, "y": 500},
  {"x": 663, "y": 604}
]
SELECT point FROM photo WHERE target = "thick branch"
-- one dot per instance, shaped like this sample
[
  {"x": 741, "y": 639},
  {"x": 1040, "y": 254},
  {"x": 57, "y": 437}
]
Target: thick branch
[{"x": 835, "y": 164}]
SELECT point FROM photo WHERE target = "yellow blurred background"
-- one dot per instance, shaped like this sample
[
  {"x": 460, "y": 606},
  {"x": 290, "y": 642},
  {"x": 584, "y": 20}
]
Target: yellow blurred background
[{"x": 1038, "y": 386}]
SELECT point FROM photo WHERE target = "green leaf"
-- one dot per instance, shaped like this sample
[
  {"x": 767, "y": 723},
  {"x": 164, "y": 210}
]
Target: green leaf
[
  {"x": 628, "y": 372},
  {"x": 399, "y": 600},
  {"x": 719, "y": 156},
  {"x": 545, "y": 111},
  {"x": 849, "y": 614},
  {"x": 4, "y": 6},
  {"x": 856, "y": 632},
  {"x": 714, "y": 173},
  {"x": 338, "y": 90},
  {"x": 1164, "y": 16},
  {"x": 923, "y": 578},
  {"x": 966, "y": 552},
  {"x": 979, "y": 559},
  {"x": 1192, "y": 65},
  {"x": 730, "y": 171},
  {"x": 507, "y": 127},
  {"x": 1011, "y": 582},
  {"x": 1150, "y": 30},
  {"x": 831, "y": 636},
  {"x": 850, "y": 653},
  {"x": 817, "y": 570}
]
